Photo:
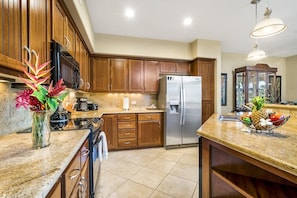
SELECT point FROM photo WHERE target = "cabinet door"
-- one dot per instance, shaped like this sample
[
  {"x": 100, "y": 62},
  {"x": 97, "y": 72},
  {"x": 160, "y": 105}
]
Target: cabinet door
[
  {"x": 119, "y": 75},
  {"x": 56, "y": 192},
  {"x": 38, "y": 29},
  {"x": 84, "y": 183},
  {"x": 59, "y": 22},
  {"x": 183, "y": 68},
  {"x": 151, "y": 76},
  {"x": 13, "y": 34},
  {"x": 71, "y": 39},
  {"x": 205, "y": 69},
  {"x": 110, "y": 129},
  {"x": 149, "y": 130},
  {"x": 100, "y": 74},
  {"x": 135, "y": 75},
  {"x": 167, "y": 67}
]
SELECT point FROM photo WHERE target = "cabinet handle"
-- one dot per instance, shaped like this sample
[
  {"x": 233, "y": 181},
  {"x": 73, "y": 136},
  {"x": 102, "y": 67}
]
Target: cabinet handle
[
  {"x": 35, "y": 54},
  {"x": 85, "y": 152},
  {"x": 149, "y": 117},
  {"x": 29, "y": 53},
  {"x": 127, "y": 143},
  {"x": 67, "y": 46},
  {"x": 88, "y": 85},
  {"x": 127, "y": 133},
  {"x": 75, "y": 175},
  {"x": 82, "y": 187}
]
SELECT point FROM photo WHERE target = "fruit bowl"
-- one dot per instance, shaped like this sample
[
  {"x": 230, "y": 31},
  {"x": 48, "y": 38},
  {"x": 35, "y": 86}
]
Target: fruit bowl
[{"x": 267, "y": 125}]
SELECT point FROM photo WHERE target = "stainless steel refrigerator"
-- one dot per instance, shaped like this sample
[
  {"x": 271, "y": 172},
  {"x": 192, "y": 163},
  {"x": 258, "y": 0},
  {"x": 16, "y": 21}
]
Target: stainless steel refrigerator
[{"x": 180, "y": 97}]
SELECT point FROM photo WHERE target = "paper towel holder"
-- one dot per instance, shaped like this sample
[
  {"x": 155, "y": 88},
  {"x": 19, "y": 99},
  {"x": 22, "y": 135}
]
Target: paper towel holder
[{"x": 126, "y": 103}]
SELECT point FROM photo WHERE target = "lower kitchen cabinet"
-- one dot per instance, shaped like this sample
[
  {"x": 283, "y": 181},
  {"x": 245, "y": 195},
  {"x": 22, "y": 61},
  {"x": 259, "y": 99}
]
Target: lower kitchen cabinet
[
  {"x": 127, "y": 131},
  {"x": 149, "y": 130},
  {"x": 110, "y": 128},
  {"x": 75, "y": 180}
]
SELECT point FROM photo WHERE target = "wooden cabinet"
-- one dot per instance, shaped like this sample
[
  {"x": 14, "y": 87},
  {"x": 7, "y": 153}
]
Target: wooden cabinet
[
  {"x": 136, "y": 76},
  {"x": 62, "y": 31},
  {"x": 149, "y": 130},
  {"x": 110, "y": 74},
  {"x": 151, "y": 76},
  {"x": 82, "y": 57},
  {"x": 76, "y": 176},
  {"x": 110, "y": 128},
  {"x": 183, "y": 68},
  {"x": 127, "y": 130},
  {"x": 56, "y": 192},
  {"x": 205, "y": 69},
  {"x": 24, "y": 32},
  {"x": 251, "y": 81},
  {"x": 228, "y": 173}
]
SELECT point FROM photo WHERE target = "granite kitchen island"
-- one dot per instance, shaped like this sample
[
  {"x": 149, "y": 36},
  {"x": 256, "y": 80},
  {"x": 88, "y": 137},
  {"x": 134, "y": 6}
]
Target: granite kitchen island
[
  {"x": 236, "y": 163},
  {"x": 27, "y": 172}
]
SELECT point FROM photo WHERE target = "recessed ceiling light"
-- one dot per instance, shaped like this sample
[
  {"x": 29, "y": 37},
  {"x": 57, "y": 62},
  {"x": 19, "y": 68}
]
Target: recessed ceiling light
[
  {"x": 129, "y": 13},
  {"x": 187, "y": 21}
]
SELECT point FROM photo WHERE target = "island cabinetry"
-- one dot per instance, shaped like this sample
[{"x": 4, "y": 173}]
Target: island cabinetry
[
  {"x": 127, "y": 130},
  {"x": 182, "y": 68},
  {"x": 76, "y": 176},
  {"x": 111, "y": 130},
  {"x": 149, "y": 130},
  {"x": 57, "y": 190},
  {"x": 228, "y": 173},
  {"x": 151, "y": 76}
]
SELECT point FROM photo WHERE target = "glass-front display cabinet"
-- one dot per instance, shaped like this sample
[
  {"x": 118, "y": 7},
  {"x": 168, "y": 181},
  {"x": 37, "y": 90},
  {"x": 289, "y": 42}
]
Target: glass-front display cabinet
[{"x": 251, "y": 81}]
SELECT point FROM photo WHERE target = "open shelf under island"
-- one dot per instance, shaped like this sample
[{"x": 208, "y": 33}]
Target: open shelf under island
[{"x": 235, "y": 163}]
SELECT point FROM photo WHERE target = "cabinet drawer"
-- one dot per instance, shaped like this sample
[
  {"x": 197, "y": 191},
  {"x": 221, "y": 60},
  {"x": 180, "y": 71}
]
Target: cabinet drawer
[
  {"x": 127, "y": 117},
  {"x": 126, "y": 125},
  {"x": 72, "y": 174},
  {"x": 126, "y": 134},
  {"x": 149, "y": 116},
  {"x": 84, "y": 153},
  {"x": 127, "y": 142}
]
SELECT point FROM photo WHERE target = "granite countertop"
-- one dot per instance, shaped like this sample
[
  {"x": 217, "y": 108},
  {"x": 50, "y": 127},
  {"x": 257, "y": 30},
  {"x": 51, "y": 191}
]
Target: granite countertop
[
  {"x": 278, "y": 149},
  {"x": 27, "y": 172},
  {"x": 101, "y": 111}
]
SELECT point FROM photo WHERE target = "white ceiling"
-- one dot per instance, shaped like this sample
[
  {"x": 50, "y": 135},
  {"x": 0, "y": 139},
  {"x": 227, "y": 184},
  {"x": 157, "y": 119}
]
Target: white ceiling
[{"x": 228, "y": 21}]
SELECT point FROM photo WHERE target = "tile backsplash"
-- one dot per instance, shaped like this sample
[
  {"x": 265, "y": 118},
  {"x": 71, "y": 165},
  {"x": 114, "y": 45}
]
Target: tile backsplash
[{"x": 12, "y": 119}]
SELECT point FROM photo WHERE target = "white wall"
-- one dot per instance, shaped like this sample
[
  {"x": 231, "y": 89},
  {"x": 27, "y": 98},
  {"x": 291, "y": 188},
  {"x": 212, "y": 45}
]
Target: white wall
[
  {"x": 230, "y": 61},
  {"x": 291, "y": 78}
]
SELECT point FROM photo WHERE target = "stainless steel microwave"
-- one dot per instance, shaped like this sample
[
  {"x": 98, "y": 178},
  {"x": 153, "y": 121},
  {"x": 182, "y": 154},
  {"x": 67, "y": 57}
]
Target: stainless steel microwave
[{"x": 64, "y": 66}]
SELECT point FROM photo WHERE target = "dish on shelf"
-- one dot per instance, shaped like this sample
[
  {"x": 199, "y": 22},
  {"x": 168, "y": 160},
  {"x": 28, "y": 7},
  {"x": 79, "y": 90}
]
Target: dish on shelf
[{"x": 267, "y": 125}]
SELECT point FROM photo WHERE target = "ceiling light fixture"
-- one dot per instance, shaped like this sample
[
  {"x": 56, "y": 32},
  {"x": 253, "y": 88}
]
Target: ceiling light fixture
[
  {"x": 129, "y": 13},
  {"x": 188, "y": 21},
  {"x": 256, "y": 54},
  {"x": 268, "y": 26}
]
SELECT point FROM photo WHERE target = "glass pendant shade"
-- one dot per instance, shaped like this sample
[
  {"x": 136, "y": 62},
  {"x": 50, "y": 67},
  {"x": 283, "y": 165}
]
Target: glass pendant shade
[
  {"x": 256, "y": 54},
  {"x": 268, "y": 26}
]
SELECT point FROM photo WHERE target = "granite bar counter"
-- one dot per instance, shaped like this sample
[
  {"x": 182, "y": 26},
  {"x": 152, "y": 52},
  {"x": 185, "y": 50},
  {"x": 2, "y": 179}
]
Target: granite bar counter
[
  {"x": 27, "y": 172},
  {"x": 263, "y": 152}
]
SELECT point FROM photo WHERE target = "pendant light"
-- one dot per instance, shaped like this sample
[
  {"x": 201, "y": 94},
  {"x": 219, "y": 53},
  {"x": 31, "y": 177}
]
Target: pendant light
[
  {"x": 268, "y": 26},
  {"x": 256, "y": 54}
]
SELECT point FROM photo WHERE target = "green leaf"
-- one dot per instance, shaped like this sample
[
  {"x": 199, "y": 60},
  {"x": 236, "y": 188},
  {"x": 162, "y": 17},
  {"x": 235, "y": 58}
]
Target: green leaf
[
  {"x": 40, "y": 94},
  {"x": 52, "y": 103},
  {"x": 62, "y": 96}
]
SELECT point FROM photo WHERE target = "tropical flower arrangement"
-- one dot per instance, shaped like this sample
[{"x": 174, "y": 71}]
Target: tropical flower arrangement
[
  {"x": 42, "y": 100},
  {"x": 39, "y": 97}
]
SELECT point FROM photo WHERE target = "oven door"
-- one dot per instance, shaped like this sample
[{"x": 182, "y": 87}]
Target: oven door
[{"x": 96, "y": 165}]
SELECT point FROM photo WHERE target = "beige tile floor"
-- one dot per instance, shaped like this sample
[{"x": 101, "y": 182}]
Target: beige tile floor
[{"x": 150, "y": 173}]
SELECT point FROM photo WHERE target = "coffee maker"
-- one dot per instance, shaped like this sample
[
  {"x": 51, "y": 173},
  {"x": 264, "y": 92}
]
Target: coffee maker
[{"x": 81, "y": 104}]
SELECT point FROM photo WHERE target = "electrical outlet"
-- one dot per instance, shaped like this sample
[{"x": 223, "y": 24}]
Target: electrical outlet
[{"x": 133, "y": 102}]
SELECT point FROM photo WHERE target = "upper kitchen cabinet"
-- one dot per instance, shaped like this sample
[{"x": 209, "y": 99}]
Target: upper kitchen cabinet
[
  {"x": 136, "y": 76},
  {"x": 251, "y": 81},
  {"x": 110, "y": 74},
  {"x": 151, "y": 76},
  {"x": 205, "y": 69},
  {"x": 24, "y": 33},
  {"x": 62, "y": 30},
  {"x": 181, "y": 68},
  {"x": 82, "y": 57}
]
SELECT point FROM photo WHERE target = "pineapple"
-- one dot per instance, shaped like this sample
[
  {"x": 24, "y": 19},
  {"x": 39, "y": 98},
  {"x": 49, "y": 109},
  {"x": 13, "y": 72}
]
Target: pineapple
[{"x": 258, "y": 112}]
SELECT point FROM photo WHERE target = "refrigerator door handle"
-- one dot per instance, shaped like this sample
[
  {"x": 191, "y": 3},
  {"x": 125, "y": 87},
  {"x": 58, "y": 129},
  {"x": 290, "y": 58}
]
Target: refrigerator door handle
[{"x": 182, "y": 106}]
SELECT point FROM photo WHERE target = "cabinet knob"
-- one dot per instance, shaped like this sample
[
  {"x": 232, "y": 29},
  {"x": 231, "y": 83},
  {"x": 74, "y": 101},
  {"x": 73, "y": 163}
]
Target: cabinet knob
[
  {"x": 127, "y": 133},
  {"x": 76, "y": 171},
  {"x": 127, "y": 143},
  {"x": 85, "y": 152}
]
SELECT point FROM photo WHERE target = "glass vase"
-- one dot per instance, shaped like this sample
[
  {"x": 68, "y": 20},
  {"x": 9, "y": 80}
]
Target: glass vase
[{"x": 41, "y": 129}]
